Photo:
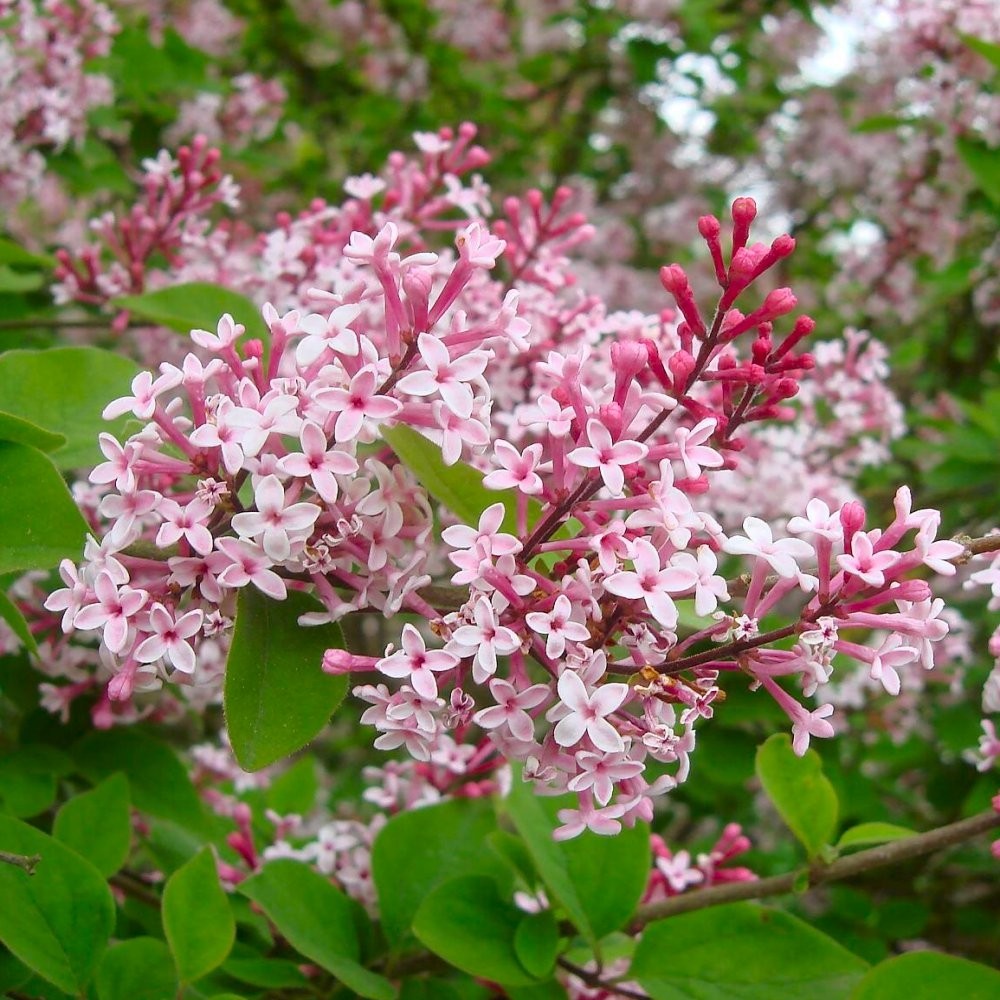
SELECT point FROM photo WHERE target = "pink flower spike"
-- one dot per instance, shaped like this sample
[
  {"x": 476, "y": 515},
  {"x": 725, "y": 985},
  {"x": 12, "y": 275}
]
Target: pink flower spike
[
  {"x": 416, "y": 664},
  {"x": 781, "y": 554},
  {"x": 607, "y": 456},
  {"x": 588, "y": 713},
  {"x": 274, "y": 523},
  {"x": 518, "y": 469},
  {"x": 318, "y": 463},
  {"x": 653, "y": 584},
  {"x": 170, "y": 638}
]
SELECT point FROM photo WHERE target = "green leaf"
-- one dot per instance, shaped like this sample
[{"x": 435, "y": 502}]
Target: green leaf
[
  {"x": 533, "y": 820},
  {"x": 39, "y": 523},
  {"x": 536, "y": 942},
  {"x": 158, "y": 781},
  {"x": 273, "y": 973},
  {"x": 459, "y": 487},
  {"x": 928, "y": 975},
  {"x": 431, "y": 845},
  {"x": 465, "y": 922},
  {"x": 317, "y": 920},
  {"x": 194, "y": 306},
  {"x": 742, "y": 950},
  {"x": 276, "y": 696},
  {"x": 869, "y": 834},
  {"x": 27, "y": 782},
  {"x": 984, "y": 165},
  {"x": 575, "y": 871},
  {"x": 197, "y": 918},
  {"x": 12, "y": 253},
  {"x": 12, "y": 281},
  {"x": 58, "y": 920},
  {"x": 96, "y": 824},
  {"x": 295, "y": 790},
  {"x": 137, "y": 969},
  {"x": 988, "y": 50},
  {"x": 800, "y": 791},
  {"x": 64, "y": 390},
  {"x": 22, "y": 431},
  {"x": 11, "y": 614}
]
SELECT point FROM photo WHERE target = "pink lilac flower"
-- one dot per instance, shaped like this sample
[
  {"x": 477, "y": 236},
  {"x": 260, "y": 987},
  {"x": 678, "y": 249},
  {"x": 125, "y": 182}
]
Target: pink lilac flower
[
  {"x": 170, "y": 638},
  {"x": 276, "y": 522},
  {"x": 557, "y": 626},
  {"x": 511, "y": 708},
  {"x": 652, "y": 583},
  {"x": 607, "y": 456},
  {"x": 418, "y": 665},
  {"x": 587, "y": 713}
]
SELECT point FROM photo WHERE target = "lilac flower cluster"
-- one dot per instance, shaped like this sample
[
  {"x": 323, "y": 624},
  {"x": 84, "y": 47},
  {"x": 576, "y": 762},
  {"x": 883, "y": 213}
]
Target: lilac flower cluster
[{"x": 590, "y": 622}]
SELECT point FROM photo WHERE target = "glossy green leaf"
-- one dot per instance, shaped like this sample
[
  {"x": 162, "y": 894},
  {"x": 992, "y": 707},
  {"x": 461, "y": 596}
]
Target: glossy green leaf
[
  {"x": 22, "y": 431},
  {"x": 272, "y": 973},
  {"x": 158, "y": 781},
  {"x": 468, "y": 924},
  {"x": 869, "y": 834},
  {"x": 27, "y": 782},
  {"x": 39, "y": 523},
  {"x": 97, "y": 825},
  {"x": 431, "y": 845},
  {"x": 197, "y": 918},
  {"x": 295, "y": 790},
  {"x": 536, "y": 943},
  {"x": 58, "y": 920},
  {"x": 64, "y": 390},
  {"x": 928, "y": 975},
  {"x": 988, "y": 50},
  {"x": 983, "y": 162},
  {"x": 317, "y": 920},
  {"x": 742, "y": 950},
  {"x": 800, "y": 791},
  {"x": 13, "y": 253},
  {"x": 277, "y": 697},
  {"x": 137, "y": 969},
  {"x": 11, "y": 614},
  {"x": 194, "y": 306},
  {"x": 12, "y": 281},
  {"x": 575, "y": 871}
]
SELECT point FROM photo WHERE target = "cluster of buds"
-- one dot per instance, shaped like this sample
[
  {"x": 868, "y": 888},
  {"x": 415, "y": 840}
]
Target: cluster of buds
[{"x": 177, "y": 193}]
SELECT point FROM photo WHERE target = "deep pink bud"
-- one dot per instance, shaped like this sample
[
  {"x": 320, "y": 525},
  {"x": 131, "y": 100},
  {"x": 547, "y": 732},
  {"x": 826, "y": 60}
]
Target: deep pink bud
[
  {"x": 675, "y": 281},
  {"x": 681, "y": 365},
  {"x": 744, "y": 212},
  {"x": 628, "y": 358},
  {"x": 778, "y": 303},
  {"x": 852, "y": 519},
  {"x": 709, "y": 227}
]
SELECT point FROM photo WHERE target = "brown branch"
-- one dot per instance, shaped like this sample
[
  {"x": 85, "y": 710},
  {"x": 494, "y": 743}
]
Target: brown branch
[
  {"x": 26, "y": 862},
  {"x": 819, "y": 874},
  {"x": 133, "y": 886}
]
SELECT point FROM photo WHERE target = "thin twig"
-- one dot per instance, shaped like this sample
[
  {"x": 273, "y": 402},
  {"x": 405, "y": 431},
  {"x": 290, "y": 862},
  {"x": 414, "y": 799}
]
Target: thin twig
[
  {"x": 594, "y": 979},
  {"x": 26, "y": 862},
  {"x": 847, "y": 867}
]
